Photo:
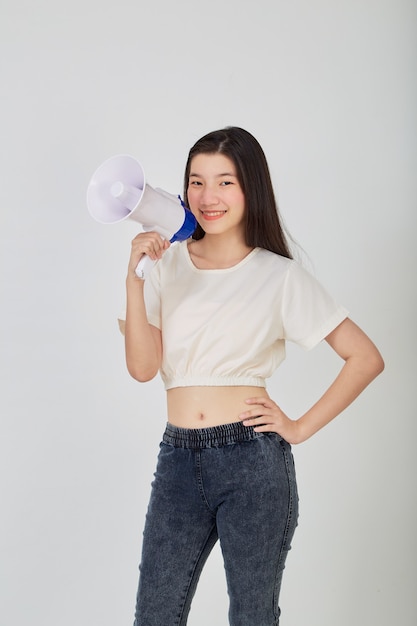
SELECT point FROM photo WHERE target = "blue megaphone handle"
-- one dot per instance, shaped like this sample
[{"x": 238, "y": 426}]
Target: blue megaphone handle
[{"x": 188, "y": 227}]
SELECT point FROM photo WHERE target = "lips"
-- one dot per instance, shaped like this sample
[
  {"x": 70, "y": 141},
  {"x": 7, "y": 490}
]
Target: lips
[{"x": 212, "y": 215}]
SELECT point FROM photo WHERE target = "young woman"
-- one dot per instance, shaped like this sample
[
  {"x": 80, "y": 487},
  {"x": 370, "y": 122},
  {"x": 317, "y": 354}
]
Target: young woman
[{"x": 213, "y": 318}]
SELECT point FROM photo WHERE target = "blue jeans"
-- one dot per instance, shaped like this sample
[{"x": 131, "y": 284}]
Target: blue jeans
[{"x": 228, "y": 483}]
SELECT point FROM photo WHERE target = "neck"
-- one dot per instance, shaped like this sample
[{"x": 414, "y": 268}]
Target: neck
[
  {"x": 227, "y": 247},
  {"x": 215, "y": 251}
]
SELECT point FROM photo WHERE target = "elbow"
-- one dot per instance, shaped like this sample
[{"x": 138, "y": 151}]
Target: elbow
[
  {"x": 142, "y": 378},
  {"x": 375, "y": 364},
  {"x": 379, "y": 365},
  {"x": 142, "y": 375}
]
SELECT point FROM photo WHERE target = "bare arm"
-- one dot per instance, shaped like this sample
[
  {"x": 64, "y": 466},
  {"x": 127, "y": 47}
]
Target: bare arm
[
  {"x": 363, "y": 363},
  {"x": 143, "y": 343}
]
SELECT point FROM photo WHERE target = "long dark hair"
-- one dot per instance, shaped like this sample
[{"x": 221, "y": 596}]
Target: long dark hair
[{"x": 263, "y": 227}]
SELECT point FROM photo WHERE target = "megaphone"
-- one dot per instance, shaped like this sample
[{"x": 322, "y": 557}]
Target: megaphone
[{"x": 118, "y": 191}]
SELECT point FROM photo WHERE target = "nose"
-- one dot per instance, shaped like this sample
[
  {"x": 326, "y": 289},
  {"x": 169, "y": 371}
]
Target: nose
[{"x": 208, "y": 196}]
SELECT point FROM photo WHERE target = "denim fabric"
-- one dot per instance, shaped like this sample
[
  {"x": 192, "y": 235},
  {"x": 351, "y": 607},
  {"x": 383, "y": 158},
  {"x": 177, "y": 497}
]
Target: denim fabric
[{"x": 228, "y": 483}]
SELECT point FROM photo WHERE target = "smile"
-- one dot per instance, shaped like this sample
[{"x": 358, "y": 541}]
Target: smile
[{"x": 211, "y": 215}]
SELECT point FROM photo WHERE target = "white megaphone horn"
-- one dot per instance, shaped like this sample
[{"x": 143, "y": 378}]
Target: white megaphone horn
[{"x": 118, "y": 190}]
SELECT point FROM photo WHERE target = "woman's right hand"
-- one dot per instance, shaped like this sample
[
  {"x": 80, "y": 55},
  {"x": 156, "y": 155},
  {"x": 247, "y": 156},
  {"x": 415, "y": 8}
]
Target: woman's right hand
[{"x": 146, "y": 243}]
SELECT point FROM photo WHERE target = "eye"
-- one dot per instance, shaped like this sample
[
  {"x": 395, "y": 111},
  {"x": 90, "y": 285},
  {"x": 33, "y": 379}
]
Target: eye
[
  {"x": 226, "y": 182},
  {"x": 194, "y": 183}
]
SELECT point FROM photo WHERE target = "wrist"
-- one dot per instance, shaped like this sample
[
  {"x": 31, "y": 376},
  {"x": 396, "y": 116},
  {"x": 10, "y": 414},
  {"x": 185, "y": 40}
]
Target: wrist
[{"x": 305, "y": 429}]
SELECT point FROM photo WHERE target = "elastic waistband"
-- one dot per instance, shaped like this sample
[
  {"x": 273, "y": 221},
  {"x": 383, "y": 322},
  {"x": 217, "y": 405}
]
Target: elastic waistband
[{"x": 213, "y": 437}]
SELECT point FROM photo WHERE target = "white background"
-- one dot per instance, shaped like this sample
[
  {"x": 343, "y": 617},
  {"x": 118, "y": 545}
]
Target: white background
[{"x": 328, "y": 88}]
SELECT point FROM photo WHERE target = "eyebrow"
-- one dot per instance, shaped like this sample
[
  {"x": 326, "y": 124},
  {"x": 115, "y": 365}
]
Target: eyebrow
[{"x": 217, "y": 175}]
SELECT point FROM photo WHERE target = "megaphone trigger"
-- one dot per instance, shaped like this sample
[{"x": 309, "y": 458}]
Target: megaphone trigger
[{"x": 144, "y": 267}]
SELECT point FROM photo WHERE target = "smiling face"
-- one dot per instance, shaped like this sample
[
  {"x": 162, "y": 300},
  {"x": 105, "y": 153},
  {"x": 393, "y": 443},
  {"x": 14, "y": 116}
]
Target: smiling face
[{"x": 215, "y": 196}]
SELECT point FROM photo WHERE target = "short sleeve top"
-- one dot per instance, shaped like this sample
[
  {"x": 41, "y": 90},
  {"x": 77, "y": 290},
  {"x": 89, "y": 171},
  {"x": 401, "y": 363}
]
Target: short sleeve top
[{"x": 229, "y": 326}]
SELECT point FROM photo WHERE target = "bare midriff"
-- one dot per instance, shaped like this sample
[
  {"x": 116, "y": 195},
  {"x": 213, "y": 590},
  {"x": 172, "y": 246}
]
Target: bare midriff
[{"x": 203, "y": 407}]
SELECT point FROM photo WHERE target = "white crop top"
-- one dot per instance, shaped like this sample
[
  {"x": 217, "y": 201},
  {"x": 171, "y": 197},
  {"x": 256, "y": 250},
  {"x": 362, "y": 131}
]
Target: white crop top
[{"x": 229, "y": 326}]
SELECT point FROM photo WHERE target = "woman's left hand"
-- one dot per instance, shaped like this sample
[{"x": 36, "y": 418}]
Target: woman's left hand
[{"x": 268, "y": 417}]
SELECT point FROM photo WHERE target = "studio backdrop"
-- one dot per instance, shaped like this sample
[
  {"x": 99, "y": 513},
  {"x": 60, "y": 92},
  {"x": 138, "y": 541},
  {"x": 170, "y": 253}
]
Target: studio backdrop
[{"x": 328, "y": 88}]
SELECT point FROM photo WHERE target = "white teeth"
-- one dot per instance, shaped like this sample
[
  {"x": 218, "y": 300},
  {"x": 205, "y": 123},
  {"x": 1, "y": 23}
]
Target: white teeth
[{"x": 213, "y": 213}]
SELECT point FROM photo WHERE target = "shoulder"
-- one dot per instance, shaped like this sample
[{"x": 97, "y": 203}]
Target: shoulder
[
  {"x": 274, "y": 262},
  {"x": 284, "y": 273},
  {"x": 294, "y": 269}
]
